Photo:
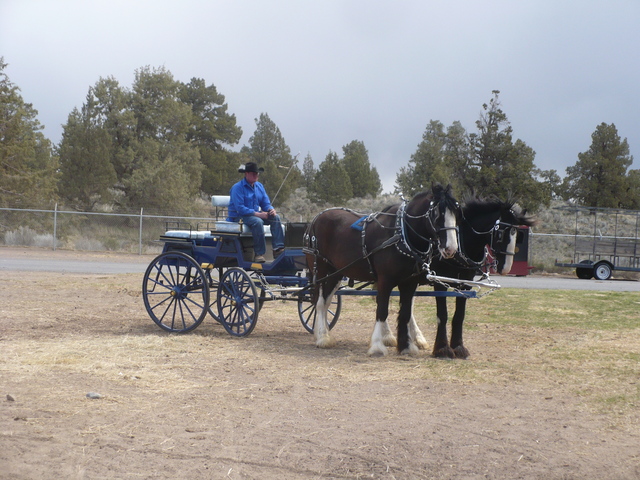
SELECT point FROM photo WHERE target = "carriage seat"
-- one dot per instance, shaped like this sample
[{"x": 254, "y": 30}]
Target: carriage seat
[
  {"x": 221, "y": 203},
  {"x": 219, "y": 225}
]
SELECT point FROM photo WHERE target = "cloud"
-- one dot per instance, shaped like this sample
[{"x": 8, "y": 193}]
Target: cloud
[{"x": 335, "y": 71}]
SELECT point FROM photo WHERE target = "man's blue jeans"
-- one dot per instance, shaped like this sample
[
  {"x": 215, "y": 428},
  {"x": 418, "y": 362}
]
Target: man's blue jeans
[{"x": 257, "y": 229}]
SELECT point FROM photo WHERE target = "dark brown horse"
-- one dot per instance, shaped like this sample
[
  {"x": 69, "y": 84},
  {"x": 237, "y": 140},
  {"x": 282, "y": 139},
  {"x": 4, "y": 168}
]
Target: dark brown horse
[
  {"x": 488, "y": 232},
  {"x": 390, "y": 249}
]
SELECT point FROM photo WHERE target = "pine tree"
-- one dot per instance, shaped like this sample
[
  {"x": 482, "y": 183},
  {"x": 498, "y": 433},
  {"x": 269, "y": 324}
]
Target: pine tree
[
  {"x": 500, "y": 166},
  {"x": 308, "y": 171},
  {"x": 599, "y": 178},
  {"x": 332, "y": 184},
  {"x": 85, "y": 149},
  {"x": 268, "y": 148},
  {"x": 27, "y": 165},
  {"x": 364, "y": 179},
  {"x": 427, "y": 165},
  {"x": 136, "y": 133}
]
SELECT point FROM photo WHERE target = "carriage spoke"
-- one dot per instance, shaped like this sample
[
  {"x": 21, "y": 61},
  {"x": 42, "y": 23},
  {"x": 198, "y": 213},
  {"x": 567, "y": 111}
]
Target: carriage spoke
[
  {"x": 237, "y": 302},
  {"x": 175, "y": 292}
]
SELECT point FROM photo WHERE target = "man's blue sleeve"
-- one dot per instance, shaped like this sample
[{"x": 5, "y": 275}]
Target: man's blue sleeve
[
  {"x": 238, "y": 200},
  {"x": 265, "y": 203}
]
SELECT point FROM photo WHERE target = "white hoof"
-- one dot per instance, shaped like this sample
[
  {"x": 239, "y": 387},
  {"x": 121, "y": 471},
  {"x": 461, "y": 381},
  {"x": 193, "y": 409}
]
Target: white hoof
[
  {"x": 390, "y": 341},
  {"x": 416, "y": 335},
  {"x": 325, "y": 342},
  {"x": 377, "y": 350},
  {"x": 421, "y": 342},
  {"x": 384, "y": 332},
  {"x": 411, "y": 350}
]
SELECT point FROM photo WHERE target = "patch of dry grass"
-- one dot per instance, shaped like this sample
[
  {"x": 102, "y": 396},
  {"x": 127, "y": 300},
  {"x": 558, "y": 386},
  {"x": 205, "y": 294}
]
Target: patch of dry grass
[{"x": 582, "y": 343}]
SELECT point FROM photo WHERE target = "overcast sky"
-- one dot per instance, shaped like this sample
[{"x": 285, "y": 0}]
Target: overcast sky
[{"x": 328, "y": 72}]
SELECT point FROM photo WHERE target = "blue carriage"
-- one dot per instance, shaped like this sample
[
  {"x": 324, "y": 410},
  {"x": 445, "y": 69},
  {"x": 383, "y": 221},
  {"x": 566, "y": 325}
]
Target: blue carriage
[{"x": 209, "y": 270}]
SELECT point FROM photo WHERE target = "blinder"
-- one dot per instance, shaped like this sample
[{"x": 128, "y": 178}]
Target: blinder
[
  {"x": 498, "y": 238},
  {"x": 434, "y": 213}
]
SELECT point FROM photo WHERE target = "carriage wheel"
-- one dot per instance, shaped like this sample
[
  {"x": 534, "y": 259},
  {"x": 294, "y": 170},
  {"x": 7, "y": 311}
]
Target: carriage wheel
[
  {"x": 238, "y": 302},
  {"x": 213, "y": 282},
  {"x": 175, "y": 292},
  {"x": 307, "y": 311}
]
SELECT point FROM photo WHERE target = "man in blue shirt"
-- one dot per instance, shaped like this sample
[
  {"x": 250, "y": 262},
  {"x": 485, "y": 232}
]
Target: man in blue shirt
[{"x": 250, "y": 203}]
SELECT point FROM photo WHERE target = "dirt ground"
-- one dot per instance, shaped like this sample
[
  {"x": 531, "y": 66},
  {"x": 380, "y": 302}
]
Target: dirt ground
[{"x": 272, "y": 406}]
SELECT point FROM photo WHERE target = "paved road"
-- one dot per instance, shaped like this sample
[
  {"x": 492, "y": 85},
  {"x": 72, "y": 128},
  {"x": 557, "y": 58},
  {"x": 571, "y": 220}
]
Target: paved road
[
  {"x": 28, "y": 260},
  {"x": 567, "y": 283},
  {"x": 70, "y": 266},
  {"x": 64, "y": 261}
]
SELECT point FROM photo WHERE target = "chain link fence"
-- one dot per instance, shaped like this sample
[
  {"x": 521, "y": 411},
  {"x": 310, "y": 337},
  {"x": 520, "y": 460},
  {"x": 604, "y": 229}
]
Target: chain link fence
[
  {"x": 88, "y": 231},
  {"x": 140, "y": 233}
]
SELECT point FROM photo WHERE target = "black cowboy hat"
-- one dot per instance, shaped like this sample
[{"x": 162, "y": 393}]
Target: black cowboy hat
[{"x": 250, "y": 167}]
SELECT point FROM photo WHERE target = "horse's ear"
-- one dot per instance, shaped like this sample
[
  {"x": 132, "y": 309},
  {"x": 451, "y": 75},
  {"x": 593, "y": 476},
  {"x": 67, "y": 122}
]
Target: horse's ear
[{"x": 528, "y": 219}]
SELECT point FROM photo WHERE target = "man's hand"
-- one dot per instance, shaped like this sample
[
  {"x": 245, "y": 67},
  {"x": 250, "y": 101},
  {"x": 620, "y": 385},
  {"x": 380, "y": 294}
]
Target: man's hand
[{"x": 266, "y": 215}]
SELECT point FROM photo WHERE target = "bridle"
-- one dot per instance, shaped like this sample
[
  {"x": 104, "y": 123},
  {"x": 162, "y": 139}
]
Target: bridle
[
  {"x": 432, "y": 212},
  {"x": 494, "y": 247},
  {"x": 497, "y": 237}
]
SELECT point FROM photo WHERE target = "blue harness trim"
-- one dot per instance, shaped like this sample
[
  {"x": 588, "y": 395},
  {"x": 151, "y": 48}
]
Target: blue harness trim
[{"x": 359, "y": 224}]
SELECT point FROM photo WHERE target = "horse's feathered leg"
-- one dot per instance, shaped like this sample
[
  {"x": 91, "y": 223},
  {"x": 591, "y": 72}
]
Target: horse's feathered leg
[
  {"x": 406, "y": 345},
  {"x": 441, "y": 348},
  {"x": 321, "y": 327},
  {"x": 381, "y": 333},
  {"x": 456, "y": 329},
  {"x": 415, "y": 334}
]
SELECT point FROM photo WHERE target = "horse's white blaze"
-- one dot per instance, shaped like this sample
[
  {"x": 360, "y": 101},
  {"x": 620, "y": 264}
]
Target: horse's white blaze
[
  {"x": 415, "y": 335},
  {"x": 511, "y": 250},
  {"x": 451, "y": 246},
  {"x": 321, "y": 327},
  {"x": 377, "y": 347}
]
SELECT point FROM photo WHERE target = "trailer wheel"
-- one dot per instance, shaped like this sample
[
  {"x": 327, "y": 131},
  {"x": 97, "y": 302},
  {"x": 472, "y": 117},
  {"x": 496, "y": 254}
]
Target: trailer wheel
[
  {"x": 238, "y": 302},
  {"x": 307, "y": 311},
  {"x": 602, "y": 270},
  {"x": 175, "y": 292},
  {"x": 585, "y": 273}
]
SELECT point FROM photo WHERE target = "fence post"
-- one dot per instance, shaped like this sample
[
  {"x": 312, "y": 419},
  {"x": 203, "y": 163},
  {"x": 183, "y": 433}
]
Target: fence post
[
  {"x": 55, "y": 225},
  {"x": 140, "y": 237}
]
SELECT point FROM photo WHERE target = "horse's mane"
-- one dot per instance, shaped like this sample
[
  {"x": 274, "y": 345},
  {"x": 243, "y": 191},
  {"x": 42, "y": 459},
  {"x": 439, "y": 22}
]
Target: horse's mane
[
  {"x": 474, "y": 206},
  {"x": 444, "y": 197},
  {"x": 439, "y": 194}
]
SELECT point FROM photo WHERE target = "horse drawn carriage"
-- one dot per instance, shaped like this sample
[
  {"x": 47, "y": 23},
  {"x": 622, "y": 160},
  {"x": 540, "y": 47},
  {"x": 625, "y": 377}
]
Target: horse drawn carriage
[{"x": 208, "y": 270}]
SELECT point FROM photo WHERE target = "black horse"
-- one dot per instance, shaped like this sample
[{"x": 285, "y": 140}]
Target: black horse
[
  {"x": 387, "y": 248},
  {"x": 488, "y": 232}
]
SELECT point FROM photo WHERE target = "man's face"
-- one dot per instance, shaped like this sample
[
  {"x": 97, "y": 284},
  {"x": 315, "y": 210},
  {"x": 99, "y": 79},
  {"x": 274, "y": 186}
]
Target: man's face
[{"x": 252, "y": 177}]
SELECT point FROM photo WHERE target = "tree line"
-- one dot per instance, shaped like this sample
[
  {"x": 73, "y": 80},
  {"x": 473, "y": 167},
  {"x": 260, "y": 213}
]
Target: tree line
[{"x": 162, "y": 144}]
